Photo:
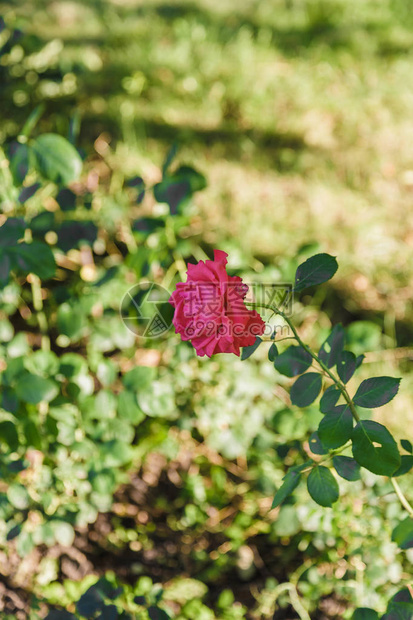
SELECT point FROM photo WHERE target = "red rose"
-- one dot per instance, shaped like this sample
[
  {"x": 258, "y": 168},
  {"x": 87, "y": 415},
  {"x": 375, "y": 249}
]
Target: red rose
[{"x": 210, "y": 309}]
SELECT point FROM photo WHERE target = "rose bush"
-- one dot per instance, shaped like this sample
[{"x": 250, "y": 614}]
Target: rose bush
[{"x": 343, "y": 427}]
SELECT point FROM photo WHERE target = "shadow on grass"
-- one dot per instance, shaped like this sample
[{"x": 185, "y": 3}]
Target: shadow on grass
[
  {"x": 319, "y": 24},
  {"x": 228, "y": 140},
  {"x": 322, "y": 25}
]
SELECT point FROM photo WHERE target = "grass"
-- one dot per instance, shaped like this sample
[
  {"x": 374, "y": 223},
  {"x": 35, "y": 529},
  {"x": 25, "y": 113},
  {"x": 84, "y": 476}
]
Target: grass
[{"x": 298, "y": 112}]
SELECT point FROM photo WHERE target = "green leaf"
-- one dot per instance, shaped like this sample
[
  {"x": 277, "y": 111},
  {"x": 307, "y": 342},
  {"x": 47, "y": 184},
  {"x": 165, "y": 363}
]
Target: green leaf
[
  {"x": 5, "y": 266},
  {"x": 406, "y": 444},
  {"x": 13, "y": 530},
  {"x": 25, "y": 543},
  {"x": 11, "y": 231},
  {"x": 128, "y": 407},
  {"x": 55, "y": 159},
  {"x": 157, "y": 613},
  {"x": 42, "y": 362},
  {"x": 336, "y": 427},
  {"x": 170, "y": 156},
  {"x": 405, "y": 465},
  {"x": 42, "y": 223},
  {"x": 70, "y": 321},
  {"x": 329, "y": 399},
  {"x": 19, "y": 162},
  {"x": 176, "y": 188},
  {"x": 382, "y": 459},
  {"x": 106, "y": 372},
  {"x": 17, "y": 466},
  {"x": 66, "y": 199},
  {"x": 315, "y": 270},
  {"x": 27, "y": 192},
  {"x": 346, "y": 467},
  {"x": 316, "y": 445},
  {"x": 403, "y": 534},
  {"x": 287, "y": 523},
  {"x": 400, "y": 607},
  {"x": 115, "y": 453},
  {"x": 365, "y": 613},
  {"x": 346, "y": 366},
  {"x": 44, "y": 534},
  {"x": 90, "y": 602},
  {"x": 103, "y": 482},
  {"x": 293, "y": 361},
  {"x": 158, "y": 400},
  {"x": 9, "y": 401},
  {"x": 291, "y": 480},
  {"x": 32, "y": 120},
  {"x": 63, "y": 532},
  {"x": 72, "y": 364},
  {"x": 31, "y": 432},
  {"x": 248, "y": 351},
  {"x": 332, "y": 347},
  {"x": 272, "y": 352},
  {"x": 18, "y": 496},
  {"x": 110, "y": 612},
  {"x": 8, "y": 434},
  {"x": 72, "y": 234},
  {"x": 35, "y": 257},
  {"x": 139, "y": 378},
  {"x": 376, "y": 391},
  {"x": 306, "y": 389},
  {"x": 33, "y": 389},
  {"x": 322, "y": 486},
  {"x": 359, "y": 360},
  {"x": 196, "y": 179}
]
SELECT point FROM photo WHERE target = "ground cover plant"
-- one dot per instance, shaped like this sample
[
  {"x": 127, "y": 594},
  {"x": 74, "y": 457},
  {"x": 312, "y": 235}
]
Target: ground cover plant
[{"x": 137, "y": 479}]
